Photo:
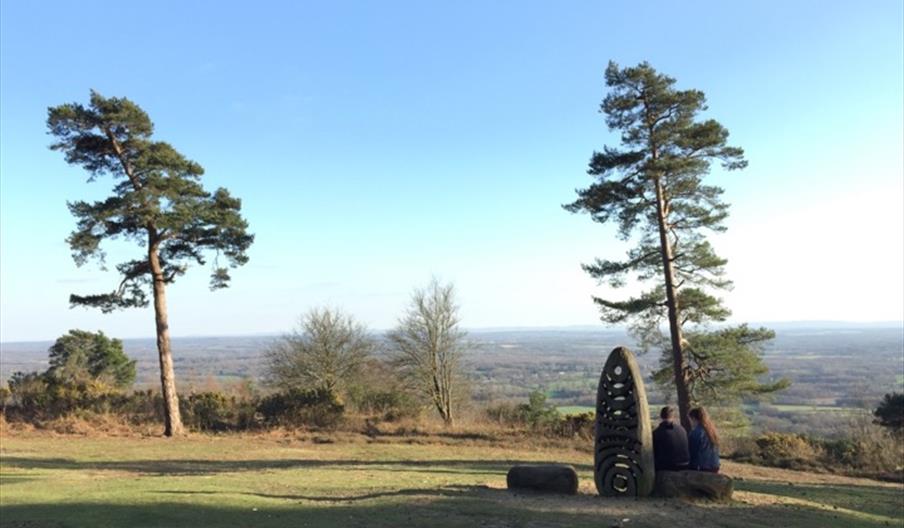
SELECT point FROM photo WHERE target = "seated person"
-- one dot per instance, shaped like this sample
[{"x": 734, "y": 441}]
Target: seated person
[
  {"x": 703, "y": 441},
  {"x": 670, "y": 443}
]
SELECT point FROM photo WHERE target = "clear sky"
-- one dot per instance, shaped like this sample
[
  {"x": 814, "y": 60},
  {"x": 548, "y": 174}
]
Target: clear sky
[{"x": 375, "y": 144}]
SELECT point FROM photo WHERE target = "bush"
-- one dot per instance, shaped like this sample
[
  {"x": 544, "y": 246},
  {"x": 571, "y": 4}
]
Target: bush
[
  {"x": 81, "y": 356},
  {"x": 5, "y": 398},
  {"x": 787, "y": 451},
  {"x": 42, "y": 396},
  {"x": 868, "y": 450},
  {"x": 576, "y": 426},
  {"x": 542, "y": 418},
  {"x": 28, "y": 393},
  {"x": 890, "y": 412},
  {"x": 208, "y": 411},
  {"x": 294, "y": 407},
  {"x": 505, "y": 414},
  {"x": 389, "y": 405},
  {"x": 537, "y": 413},
  {"x": 141, "y": 407}
]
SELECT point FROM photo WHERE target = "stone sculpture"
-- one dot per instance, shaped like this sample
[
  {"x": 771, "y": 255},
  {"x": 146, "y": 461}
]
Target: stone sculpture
[{"x": 623, "y": 453}]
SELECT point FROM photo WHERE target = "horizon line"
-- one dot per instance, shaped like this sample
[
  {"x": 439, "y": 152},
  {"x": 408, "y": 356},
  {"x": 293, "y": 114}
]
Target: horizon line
[{"x": 802, "y": 323}]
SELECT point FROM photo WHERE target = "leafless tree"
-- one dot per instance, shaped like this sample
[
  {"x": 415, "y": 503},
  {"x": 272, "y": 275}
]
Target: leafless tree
[
  {"x": 326, "y": 351},
  {"x": 428, "y": 346}
]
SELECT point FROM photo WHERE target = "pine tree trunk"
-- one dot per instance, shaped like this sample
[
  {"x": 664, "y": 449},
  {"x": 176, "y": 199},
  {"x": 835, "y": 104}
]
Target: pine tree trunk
[
  {"x": 172, "y": 418},
  {"x": 678, "y": 359}
]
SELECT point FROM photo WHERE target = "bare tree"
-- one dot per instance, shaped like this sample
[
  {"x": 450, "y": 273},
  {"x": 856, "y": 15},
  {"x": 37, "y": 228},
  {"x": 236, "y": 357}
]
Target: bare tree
[
  {"x": 326, "y": 351},
  {"x": 429, "y": 345}
]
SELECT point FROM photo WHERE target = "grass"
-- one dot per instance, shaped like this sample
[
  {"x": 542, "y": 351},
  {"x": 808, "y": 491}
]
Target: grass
[
  {"x": 282, "y": 480},
  {"x": 815, "y": 408},
  {"x": 576, "y": 409}
]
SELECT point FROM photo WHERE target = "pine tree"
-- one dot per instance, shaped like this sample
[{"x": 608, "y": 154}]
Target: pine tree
[
  {"x": 158, "y": 203},
  {"x": 651, "y": 187}
]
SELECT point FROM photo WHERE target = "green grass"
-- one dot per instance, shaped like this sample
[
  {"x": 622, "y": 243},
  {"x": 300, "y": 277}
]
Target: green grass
[
  {"x": 270, "y": 481},
  {"x": 877, "y": 503},
  {"x": 814, "y": 408}
]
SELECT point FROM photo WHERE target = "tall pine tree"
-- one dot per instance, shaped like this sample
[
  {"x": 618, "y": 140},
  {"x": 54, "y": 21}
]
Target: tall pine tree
[
  {"x": 651, "y": 186},
  {"x": 158, "y": 203}
]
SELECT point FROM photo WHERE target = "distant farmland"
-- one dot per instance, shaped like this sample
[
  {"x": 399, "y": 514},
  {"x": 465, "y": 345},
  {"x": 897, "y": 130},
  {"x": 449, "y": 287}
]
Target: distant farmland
[{"x": 833, "y": 370}]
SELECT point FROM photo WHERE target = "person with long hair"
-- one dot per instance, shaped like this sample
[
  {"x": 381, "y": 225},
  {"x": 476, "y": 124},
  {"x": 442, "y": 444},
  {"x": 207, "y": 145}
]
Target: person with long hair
[{"x": 703, "y": 441}]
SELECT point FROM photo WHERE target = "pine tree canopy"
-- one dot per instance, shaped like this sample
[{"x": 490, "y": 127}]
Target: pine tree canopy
[
  {"x": 724, "y": 365},
  {"x": 157, "y": 201},
  {"x": 663, "y": 143}
]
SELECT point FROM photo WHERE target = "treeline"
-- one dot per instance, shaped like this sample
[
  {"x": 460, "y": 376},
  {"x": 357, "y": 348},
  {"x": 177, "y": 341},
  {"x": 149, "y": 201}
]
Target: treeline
[
  {"x": 311, "y": 376},
  {"x": 326, "y": 369},
  {"x": 326, "y": 376}
]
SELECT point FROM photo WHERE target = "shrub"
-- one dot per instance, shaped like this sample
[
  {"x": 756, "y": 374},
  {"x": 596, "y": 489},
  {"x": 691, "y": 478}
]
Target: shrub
[
  {"x": 81, "y": 356},
  {"x": 328, "y": 350},
  {"x": 787, "y": 450},
  {"x": 42, "y": 396},
  {"x": 5, "y": 398},
  {"x": 576, "y": 426},
  {"x": 505, "y": 414},
  {"x": 28, "y": 393},
  {"x": 141, "y": 407},
  {"x": 890, "y": 412},
  {"x": 389, "y": 404},
  {"x": 541, "y": 417},
  {"x": 208, "y": 411},
  {"x": 294, "y": 407},
  {"x": 868, "y": 449},
  {"x": 537, "y": 413}
]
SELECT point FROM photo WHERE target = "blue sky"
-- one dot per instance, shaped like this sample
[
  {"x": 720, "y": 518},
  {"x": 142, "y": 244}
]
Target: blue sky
[{"x": 377, "y": 144}]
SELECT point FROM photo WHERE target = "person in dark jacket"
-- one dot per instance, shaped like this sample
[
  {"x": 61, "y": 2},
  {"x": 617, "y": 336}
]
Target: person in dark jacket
[
  {"x": 669, "y": 443},
  {"x": 703, "y": 441}
]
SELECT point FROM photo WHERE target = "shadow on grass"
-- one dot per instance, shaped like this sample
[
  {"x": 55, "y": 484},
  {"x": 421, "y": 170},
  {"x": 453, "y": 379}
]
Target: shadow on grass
[
  {"x": 13, "y": 479},
  {"x": 375, "y": 432},
  {"x": 466, "y": 508},
  {"x": 185, "y": 467},
  {"x": 876, "y": 500},
  {"x": 450, "y": 490}
]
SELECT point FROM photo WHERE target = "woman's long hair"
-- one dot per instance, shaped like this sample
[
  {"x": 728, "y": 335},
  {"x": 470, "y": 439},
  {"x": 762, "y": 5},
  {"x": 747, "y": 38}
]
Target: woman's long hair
[{"x": 700, "y": 414}]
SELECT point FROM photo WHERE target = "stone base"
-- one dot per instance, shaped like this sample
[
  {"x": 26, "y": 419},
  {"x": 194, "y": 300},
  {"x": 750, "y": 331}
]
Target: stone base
[
  {"x": 551, "y": 478},
  {"x": 693, "y": 484}
]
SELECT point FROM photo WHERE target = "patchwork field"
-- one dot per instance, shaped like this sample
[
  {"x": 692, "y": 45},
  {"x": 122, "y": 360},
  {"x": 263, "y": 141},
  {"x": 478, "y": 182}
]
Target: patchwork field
[{"x": 448, "y": 480}]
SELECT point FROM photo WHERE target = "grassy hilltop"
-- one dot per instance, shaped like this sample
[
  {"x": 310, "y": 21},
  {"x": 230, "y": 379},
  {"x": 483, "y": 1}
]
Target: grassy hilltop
[{"x": 284, "y": 479}]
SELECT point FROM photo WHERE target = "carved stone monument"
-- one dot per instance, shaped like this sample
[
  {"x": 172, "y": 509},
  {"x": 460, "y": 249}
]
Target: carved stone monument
[{"x": 623, "y": 454}]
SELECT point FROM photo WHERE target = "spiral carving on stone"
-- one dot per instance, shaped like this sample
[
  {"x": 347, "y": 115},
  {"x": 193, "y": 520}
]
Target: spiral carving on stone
[{"x": 623, "y": 455}]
